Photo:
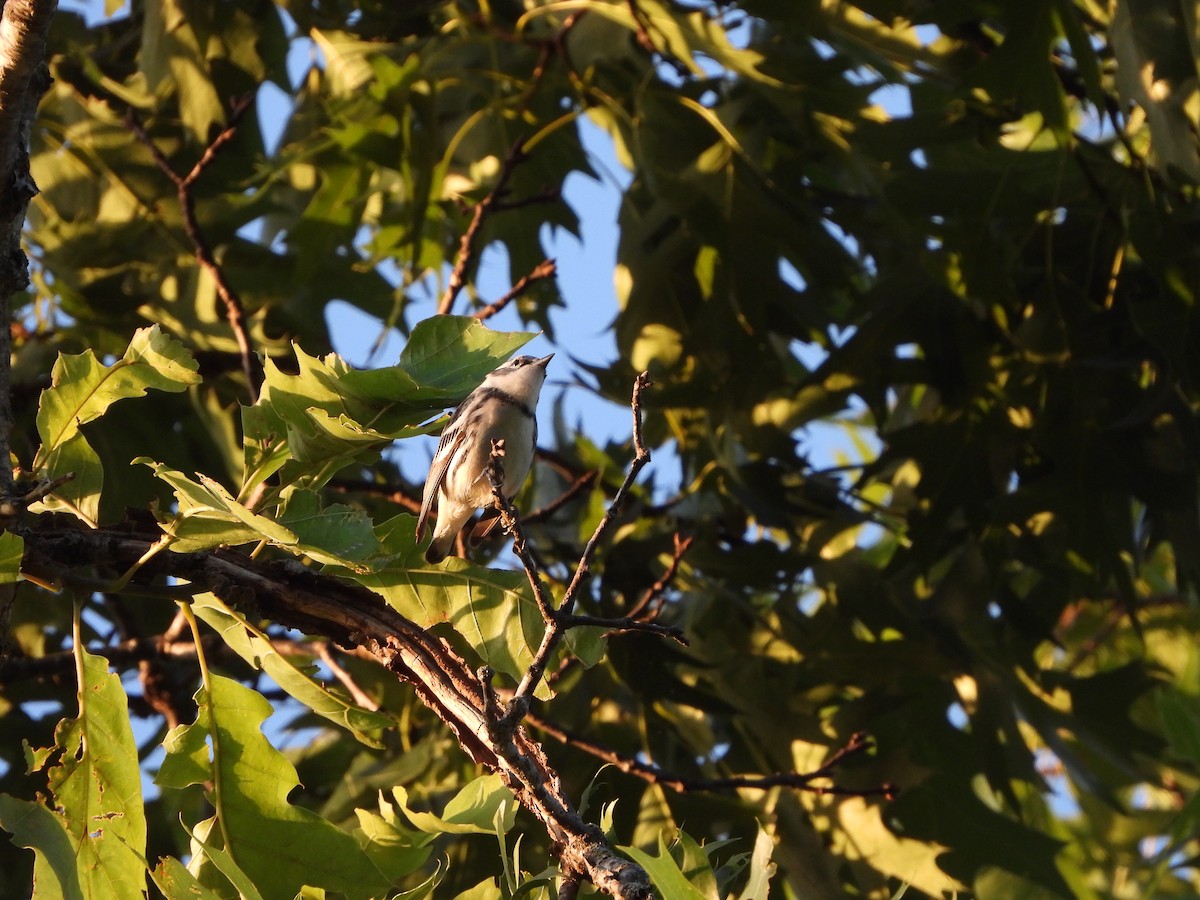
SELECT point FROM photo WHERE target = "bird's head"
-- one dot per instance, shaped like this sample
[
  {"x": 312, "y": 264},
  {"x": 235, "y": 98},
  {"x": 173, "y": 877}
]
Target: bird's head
[{"x": 522, "y": 377}]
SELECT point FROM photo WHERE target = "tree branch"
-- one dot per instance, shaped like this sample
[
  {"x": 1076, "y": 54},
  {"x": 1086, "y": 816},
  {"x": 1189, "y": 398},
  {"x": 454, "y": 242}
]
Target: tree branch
[
  {"x": 24, "y": 25},
  {"x": 543, "y": 270},
  {"x": 353, "y": 616},
  {"x": 235, "y": 312},
  {"x": 559, "y": 621},
  {"x": 493, "y": 202},
  {"x": 654, "y": 774}
]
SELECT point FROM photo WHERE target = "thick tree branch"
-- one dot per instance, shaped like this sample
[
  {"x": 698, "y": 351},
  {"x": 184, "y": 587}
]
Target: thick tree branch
[
  {"x": 24, "y": 25},
  {"x": 353, "y": 616}
]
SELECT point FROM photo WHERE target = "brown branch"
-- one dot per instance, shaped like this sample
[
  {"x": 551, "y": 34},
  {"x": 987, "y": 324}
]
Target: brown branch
[
  {"x": 640, "y": 459},
  {"x": 357, "y": 694},
  {"x": 493, "y": 202},
  {"x": 655, "y": 591},
  {"x": 235, "y": 311},
  {"x": 654, "y": 774},
  {"x": 355, "y": 617},
  {"x": 573, "y": 490},
  {"x": 466, "y": 244},
  {"x": 555, "y": 45},
  {"x": 24, "y": 25},
  {"x": 559, "y": 621},
  {"x": 401, "y": 496},
  {"x": 543, "y": 270}
]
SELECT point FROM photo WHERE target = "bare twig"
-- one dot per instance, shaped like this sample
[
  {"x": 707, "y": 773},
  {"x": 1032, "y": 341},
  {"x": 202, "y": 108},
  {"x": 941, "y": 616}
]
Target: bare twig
[
  {"x": 235, "y": 312},
  {"x": 655, "y": 591},
  {"x": 573, "y": 490},
  {"x": 357, "y": 694},
  {"x": 654, "y": 774},
  {"x": 543, "y": 270},
  {"x": 393, "y": 493},
  {"x": 559, "y": 621},
  {"x": 640, "y": 459},
  {"x": 466, "y": 244},
  {"x": 555, "y": 45},
  {"x": 512, "y": 524},
  {"x": 493, "y": 202}
]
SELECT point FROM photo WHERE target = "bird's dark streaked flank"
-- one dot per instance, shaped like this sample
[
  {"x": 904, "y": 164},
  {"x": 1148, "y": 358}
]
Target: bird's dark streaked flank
[{"x": 503, "y": 408}]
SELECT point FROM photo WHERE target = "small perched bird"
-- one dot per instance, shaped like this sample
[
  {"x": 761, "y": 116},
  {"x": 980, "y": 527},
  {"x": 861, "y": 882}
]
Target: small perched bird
[{"x": 500, "y": 409}]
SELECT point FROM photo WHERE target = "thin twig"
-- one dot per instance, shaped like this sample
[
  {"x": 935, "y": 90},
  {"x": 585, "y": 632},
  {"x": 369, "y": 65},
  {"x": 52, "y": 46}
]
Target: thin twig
[
  {"x": 357, "y": 694},
  {"x": 512, "y": 524},
  {"x": 655, "y": 591},
  {"x": 654, "y": 774},
  {"x": 390, "y": 492},
  {"x": 573, "y": 490},
  {"x": 466, "y": 244},
  {"x": 558, "y": 621},
  {"x": 543, "y": 270},
  {"x": 640, "y": 459},
  {"x": 235, "y": 311},
  {"x": 555, "y": 45}
]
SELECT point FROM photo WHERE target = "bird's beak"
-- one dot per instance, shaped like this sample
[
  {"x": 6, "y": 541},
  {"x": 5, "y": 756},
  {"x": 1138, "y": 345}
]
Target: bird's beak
[{"x": 545, "y": 360}]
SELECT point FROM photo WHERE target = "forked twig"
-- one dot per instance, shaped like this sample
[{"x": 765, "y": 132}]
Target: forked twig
[
  {"x": 560, "y": 620},
  {"x": 235, "y": 311}
]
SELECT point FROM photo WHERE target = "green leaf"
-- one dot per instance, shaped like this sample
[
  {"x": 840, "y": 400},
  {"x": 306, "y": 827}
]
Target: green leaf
[
  {"x": 452, "y": 354},
  {"x": 493, "y": 610},
  {"x": 758, "y": 885},
  {"x": 97, "y": 815},
  {"x": 12, "y": 551},
  {"x": 335, "y": 535},
  {"x": 257, "y": 649},
  {"x": 473, "y": 810},
  {"x": 205, "y": 850},
  {"x": 177, "y": 883},
  {"x": 396, "y": 849},
  {"x": 34, "y": 826},
  {"x": 208, "y": 516},
  {"x": 279, "y": 846},
  {"x": 1181, "y": 721},
  {"x": 81, "y": 389},
  {"x": 668, "y": 879}
]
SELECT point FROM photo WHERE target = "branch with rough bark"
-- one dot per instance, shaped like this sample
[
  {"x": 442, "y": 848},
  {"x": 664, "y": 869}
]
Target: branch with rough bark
[
  {"x": 24, "y": 26},
  {"x": 355, "y": 617}
]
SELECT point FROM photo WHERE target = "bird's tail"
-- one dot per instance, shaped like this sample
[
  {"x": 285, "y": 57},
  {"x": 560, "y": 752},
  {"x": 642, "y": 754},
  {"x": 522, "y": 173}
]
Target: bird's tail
[{"x": 439, "y": 548}]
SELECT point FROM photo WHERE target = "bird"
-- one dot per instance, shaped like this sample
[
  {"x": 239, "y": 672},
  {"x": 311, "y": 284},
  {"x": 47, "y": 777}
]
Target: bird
[{"x": 502, "y": 408}]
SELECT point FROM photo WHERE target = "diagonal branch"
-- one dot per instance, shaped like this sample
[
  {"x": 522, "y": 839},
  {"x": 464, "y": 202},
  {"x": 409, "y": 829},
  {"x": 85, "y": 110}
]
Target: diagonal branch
[
  {"x": 355, "y": 617},
  {"x": 235, "y": 311},
  {"x": 654, "y": 593},
  {"x": 493, "y": 202},
  {"x": 543, "y": 270},
  {"x": 559, "y": 621}
]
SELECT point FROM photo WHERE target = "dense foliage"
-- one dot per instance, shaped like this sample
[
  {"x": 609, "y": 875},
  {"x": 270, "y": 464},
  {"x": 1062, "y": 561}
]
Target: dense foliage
[{"x": 957, "y": 239}]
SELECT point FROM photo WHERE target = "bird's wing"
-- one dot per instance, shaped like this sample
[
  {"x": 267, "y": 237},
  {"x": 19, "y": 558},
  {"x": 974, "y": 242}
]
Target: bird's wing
[{"x": 452, "y": 436}]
